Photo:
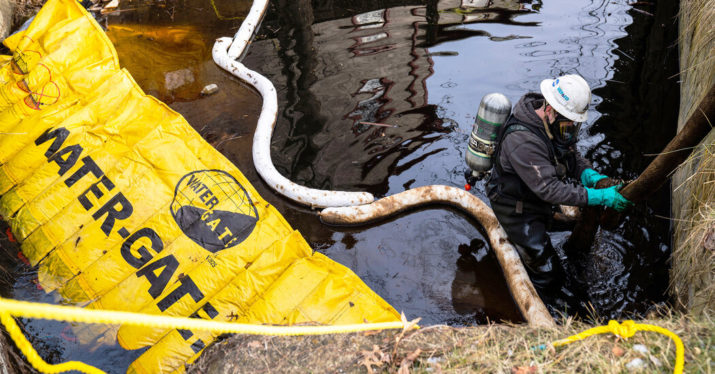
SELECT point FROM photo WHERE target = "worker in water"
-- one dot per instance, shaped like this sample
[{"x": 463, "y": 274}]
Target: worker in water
[{"x": 537, "y": 168}]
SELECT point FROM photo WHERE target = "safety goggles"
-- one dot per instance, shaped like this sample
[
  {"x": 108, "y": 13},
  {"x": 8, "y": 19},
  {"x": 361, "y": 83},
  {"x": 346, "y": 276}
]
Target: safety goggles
[{"x": 566, "y": 129}]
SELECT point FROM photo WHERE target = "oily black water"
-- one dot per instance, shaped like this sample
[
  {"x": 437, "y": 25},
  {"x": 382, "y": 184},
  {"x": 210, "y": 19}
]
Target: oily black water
[
  {"x": 380, "y": 96},
  {"x": 346, "y": 69}
]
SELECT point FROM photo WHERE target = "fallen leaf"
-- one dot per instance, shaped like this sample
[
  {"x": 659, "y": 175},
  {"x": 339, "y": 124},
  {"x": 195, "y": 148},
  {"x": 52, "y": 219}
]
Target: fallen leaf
[
  {"x": 408, "y": 325},
  {"x": 618, "y": 351},
  {"x": 709, "y": 241},
  {"x": 254, "y": 344},
  {"x": 368, "y": 360},
  {"x": 551, "y": 349},
  {"x": 407, "y": 362},
  {"x": 375, "y": 357},
  {"x": 413, "y": 356},
  {"x": 523, "y": 370}
]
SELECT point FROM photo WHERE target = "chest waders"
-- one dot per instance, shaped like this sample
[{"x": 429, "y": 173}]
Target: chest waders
[{"x": 525, "y": 217}]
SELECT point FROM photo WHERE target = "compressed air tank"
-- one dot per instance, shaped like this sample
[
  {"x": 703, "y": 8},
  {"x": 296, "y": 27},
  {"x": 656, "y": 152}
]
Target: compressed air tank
[{"x": 493, "y": 111}]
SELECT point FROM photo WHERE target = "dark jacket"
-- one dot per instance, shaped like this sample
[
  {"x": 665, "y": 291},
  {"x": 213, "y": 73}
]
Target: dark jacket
[{"x": 529, "y": 157}]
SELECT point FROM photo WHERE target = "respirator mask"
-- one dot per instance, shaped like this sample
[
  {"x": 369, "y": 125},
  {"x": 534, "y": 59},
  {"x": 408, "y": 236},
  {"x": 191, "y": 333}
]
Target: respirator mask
[{"x": 564, "y": 130}]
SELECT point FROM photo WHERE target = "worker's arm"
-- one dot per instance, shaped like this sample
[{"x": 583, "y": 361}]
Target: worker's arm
[{"x": 525, "y": 154}]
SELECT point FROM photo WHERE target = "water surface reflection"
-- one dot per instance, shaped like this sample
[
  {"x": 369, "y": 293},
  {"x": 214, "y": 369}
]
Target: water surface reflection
[{"x": 344, "y": 71}]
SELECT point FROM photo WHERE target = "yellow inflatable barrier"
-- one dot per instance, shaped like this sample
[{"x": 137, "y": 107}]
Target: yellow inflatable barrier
[{"x": 123, "y": 206}]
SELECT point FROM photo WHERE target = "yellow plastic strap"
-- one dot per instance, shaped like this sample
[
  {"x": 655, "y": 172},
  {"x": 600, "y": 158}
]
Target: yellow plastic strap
[{"x": 626, "y": 330}]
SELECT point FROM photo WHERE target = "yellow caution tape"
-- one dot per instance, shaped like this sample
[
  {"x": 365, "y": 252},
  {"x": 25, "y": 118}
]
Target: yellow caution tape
[
  {"x": 123, "y": 206},
  {"x": 626, "y": 330}
]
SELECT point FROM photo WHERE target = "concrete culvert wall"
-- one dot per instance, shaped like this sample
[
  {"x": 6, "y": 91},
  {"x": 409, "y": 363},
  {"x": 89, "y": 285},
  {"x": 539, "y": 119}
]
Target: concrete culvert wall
[{"x": 693, "y": 263}]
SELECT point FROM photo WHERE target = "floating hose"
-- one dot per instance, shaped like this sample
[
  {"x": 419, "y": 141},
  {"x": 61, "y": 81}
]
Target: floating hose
[
  {"x": 626, "y": 330},
  {"x": 226, "y": 51},
  {"x": 528, "y": 301},
  {"x": 10, "y": 308}
]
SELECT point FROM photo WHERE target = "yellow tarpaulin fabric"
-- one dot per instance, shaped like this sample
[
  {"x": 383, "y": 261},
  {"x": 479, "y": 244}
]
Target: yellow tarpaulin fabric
[{"x": 123, "y": 206}]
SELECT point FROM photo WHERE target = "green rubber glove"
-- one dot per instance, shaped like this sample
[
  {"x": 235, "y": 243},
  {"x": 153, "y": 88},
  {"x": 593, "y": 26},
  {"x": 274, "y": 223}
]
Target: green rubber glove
[
  {"x": 590, "y": 177},
  {"x": 608, "y": 197}
]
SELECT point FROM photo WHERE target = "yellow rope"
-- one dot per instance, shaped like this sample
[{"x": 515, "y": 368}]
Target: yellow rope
[
  {"x": 626, "y": 330},
  {"x": 34, "y": 359},
  {"x": 10, "y": 308}
]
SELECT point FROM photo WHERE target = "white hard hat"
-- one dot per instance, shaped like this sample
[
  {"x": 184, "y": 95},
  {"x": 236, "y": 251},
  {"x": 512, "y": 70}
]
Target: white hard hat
[{"x": 569, "y": 95}]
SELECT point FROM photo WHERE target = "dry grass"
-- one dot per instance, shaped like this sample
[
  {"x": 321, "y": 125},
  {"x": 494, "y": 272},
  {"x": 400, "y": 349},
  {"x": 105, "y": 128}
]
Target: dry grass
[
  {"x": 481, "y": 349},
  {"x": 693, "y": 270},
  {"x": 692, "y": 278},
  {"x": 696, "y": 42}
]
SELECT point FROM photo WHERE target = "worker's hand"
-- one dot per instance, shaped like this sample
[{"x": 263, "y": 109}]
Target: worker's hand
[
  {"x": 609, "y": 197},
  {"x": 590, "y": 177}
]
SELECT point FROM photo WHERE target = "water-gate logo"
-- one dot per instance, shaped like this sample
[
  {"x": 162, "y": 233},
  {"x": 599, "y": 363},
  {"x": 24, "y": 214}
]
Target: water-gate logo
[{"x": 213, "y": 209}]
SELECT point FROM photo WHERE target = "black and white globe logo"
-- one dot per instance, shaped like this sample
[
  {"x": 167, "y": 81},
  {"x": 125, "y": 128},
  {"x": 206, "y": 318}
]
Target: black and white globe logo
[{"x": 213, "y": 209}]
